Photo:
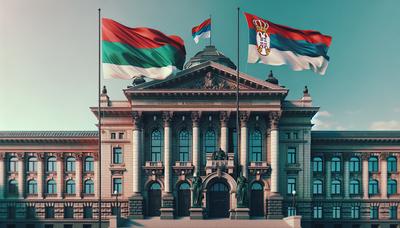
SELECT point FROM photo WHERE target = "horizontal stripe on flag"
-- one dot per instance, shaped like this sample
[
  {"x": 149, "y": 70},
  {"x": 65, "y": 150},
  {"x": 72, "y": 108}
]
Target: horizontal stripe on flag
[
  {"x": 204, "y": 29},
  {"x": 310, "y": 36},
  {"x": 124, "y": 54},
  {"x": 129, "y": 72},
  {"x": 202, "y": 35},
  {"x": 199, "y": 27},
  {"x": 300, "y": 47},
  {"x": 297, "y": 62}
]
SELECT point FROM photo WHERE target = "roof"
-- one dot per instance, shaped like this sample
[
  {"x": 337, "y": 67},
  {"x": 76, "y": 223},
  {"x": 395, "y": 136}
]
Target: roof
[
  {"x": 389, "y": 136},
  {"x": 48, "y": 134}
]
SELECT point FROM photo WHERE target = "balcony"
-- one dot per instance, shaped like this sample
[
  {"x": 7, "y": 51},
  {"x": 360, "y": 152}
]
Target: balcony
[
  {"x": 227, "y": 164},
  {"x": 154, "y": 168},
  {"x": 183, "y": 168},
  {"x": 259, "y": 168}
]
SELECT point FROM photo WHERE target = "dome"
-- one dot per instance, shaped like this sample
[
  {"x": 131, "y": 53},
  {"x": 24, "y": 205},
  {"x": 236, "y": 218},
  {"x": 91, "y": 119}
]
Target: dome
[{"x": 210, "y": 53}]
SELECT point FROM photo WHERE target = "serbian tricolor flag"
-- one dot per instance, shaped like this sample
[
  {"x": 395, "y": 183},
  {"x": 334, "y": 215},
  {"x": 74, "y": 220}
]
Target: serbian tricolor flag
[
  {"x": 275, "y": 44},
  {"x": 132, "y": 52},
  {"x": 202, "y": 31}
]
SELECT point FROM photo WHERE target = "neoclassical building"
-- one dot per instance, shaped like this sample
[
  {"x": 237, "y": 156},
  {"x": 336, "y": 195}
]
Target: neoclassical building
[{"x": 167, "y": 132}]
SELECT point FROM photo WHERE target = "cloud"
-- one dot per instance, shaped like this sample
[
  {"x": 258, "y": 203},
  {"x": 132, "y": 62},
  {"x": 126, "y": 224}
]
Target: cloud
[
  {"x": 322, "y": 121},
  {"x": 385, "y": 125}
]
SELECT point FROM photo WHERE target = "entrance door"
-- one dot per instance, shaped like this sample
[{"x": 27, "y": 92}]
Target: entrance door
[
  {"x": 154, "y": 195},
  {"x": 257, "y": 200},
  {"x": 219, "y": 200},
  {"x": 183, "y": 199}
]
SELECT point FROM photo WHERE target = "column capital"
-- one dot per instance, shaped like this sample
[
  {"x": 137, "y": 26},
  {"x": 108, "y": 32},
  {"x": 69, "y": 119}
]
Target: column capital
[
  {"x": 196, "y": 118},
  {"x": 365, "y": 156},
  {"x": 79, "y": 156},
  {"x": 136, "y": 120},
  {"x": 2, "y": 156},
  {"x": 384, "y": 155},
  {"x": 274, "y": 118},
  {"x": 40, "y": 156},
  {"x": 167, "y": 118},
  {"x": 244, "y": 117},
  {"x": 20, "y": 156},
  {"x": 59, "y": 156},
  {"x": 224, "y": 118}
]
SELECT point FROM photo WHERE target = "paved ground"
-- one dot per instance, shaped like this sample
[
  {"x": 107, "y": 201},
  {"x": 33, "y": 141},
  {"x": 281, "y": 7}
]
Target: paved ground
[{"x": 214, "y": 223}]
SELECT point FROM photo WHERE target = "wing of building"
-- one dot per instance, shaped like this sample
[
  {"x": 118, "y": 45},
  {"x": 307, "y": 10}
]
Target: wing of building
[{"x": 170, "y": 150}]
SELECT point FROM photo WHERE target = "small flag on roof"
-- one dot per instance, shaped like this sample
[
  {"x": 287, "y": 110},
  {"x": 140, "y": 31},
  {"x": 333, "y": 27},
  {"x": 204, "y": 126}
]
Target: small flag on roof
[{"x": 202, "y": 31}]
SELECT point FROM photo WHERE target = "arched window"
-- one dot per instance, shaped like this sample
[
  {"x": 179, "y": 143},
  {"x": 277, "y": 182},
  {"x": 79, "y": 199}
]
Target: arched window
[
  {"x": 155, "y": 186},
  {"x": 32, "y": 187},
  {"x": 117, "y": 155},
  {"x": 373, "y": 187},
  {"x": 89, "y": 167},
  {"x": 51, "y": 164},
  {"x": 392, "y": 187},
  {"x": 354, "y": 164},
  {"x": 51, "y": 187},
  {"x": 317, "y": 187},
  {"x": 335, "y": 164},
  {"x": 12, "y": 164},
  {"x": 354, "y": 187},
  {"x": 32, "y": 164},
  {"x": 70, "y": 164},
  {"x": 89, "y": 187},
  {"x": 373, "y": 164},
  {"x": 392, "y": 164},
  {"x": 317, "y": 164},
  {"x": 335, "y": 187},
  {"x": 156, "y": 145},
  {"x": 70, "y": 187},
  {"x": 211, "y": 140},
  {"x": 183, "y": 145},
  {"x": 256, "y": 186},
  {"x": 184, "y": 186},
  {"x": 13, "y": 187},
  {"x": 255, "y": 145}
]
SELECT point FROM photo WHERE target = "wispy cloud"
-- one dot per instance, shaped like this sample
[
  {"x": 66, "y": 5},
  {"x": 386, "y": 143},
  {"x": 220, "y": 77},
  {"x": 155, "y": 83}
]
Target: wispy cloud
[
  {"x": 385, "y": 125},
  {"x": 323, "y": 121}
]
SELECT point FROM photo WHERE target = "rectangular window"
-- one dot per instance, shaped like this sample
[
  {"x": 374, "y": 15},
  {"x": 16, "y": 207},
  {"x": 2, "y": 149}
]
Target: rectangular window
[
  {"x": 30, "y": 212},
  {"x": 87, "y": 212},
  {"x": 121, "y": 135},
  {"x": 393, "y": 212},
  {"x": 317, "y": 164},
  {"x": 113, "y": 136},
  {"x": 295, "y": 135},
  {"x": 291, "y": 211},
  {"x": 336, "y": 212},
  {"x": 355, "y": 212},
  {"x": 374, "y": 210},
  {"x": 117, "y": 155},
  {"x": 291, "y": 185},
  {"x": 291, "y": 155},
  {"x": 49, "y": 212},
  {"x": 117, "y": 185},
  {"x": 68, "y": 212},
  {"x": 317, "y": 212}
]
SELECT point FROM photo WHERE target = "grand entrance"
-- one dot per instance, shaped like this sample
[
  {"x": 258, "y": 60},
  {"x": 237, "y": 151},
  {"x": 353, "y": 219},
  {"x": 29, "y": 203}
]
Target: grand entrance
[
  {"x": 154, "y": 196},
  {"x": 183, "y": 199},
  {"x": 257, "y": 200},
  {"x": 218, "y": 202}
]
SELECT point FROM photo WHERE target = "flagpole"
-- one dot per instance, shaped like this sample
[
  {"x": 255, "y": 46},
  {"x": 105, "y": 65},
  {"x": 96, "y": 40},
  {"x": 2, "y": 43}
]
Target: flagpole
[
  {"x": 99, "y": 121},
  {"x": 210, "y": 29},
  {"x": 237, "y": 89}
]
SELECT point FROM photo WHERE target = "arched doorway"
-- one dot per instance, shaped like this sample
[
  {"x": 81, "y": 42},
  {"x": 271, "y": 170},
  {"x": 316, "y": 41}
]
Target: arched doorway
[
  {"x": 218, "y": 202},
  {"x": 257, "y": 200},
  {"x": 183, "y": 199},
  {"x": 154, "y": 196}
]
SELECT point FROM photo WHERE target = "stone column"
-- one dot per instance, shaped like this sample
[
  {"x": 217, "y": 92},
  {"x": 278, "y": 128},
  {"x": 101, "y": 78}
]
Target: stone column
[
  {"x": 40, "y": 174},
  {"x": 60, "y": 175},
  {"x": 167, "y": 210},
  {"x": 195, "y": 141},
  {"x": 96, "y": 175},
  {"x": 244, "y": 117},
  {"x": 21, "y": 175},
  {"x": 136, "y": 169},
  {"x": 224, "y": 131},
  {"x": 328, "y": 176},
  {"x": 384, "y": 174},
  {"x": 346, "y": 176},
  {"x": 78, "y": 175},
  {"x": 2, "y": 175},
  {"x": 365, "y": 175}
]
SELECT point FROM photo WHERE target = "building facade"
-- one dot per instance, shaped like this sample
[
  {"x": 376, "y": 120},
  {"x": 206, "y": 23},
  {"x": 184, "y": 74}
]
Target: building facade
[{"x": 168, "y": 133}]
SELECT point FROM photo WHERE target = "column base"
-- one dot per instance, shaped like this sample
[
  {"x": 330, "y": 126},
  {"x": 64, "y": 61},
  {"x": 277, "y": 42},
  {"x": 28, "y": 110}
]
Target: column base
[
  {"x": 136, "y": 209},
  {"x": 196, "y": 213},
  {"x": 275, "y": 207},
  {"x": 167, "y": 210},
  {"x": 242, "y": 213}
]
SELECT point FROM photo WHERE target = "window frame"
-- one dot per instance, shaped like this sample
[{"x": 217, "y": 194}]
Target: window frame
[
  {"x": 373, "y": 164},
  {"x": 31, "y": 165},
  {"x": 318, "y": 185},
  {"x": 184, "y": 145},
  {"x": 70, "y": 164},
  {"x": 336, "y": 165},
  {"x": 256, "y": 145},
  {"x": 318, "y": 166},
  {"x": 291, "y": 155},
  {"x": 336, "y": 187},
  {"x": 88, "y": 166},
  {"x": 156, "y": 150},
  {"x": 291, "y": 185},
  {"x": 354, "y": 164}
]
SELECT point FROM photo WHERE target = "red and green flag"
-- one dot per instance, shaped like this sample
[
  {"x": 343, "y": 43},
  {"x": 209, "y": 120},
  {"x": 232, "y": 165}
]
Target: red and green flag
[{"x": 131, "y": 52}]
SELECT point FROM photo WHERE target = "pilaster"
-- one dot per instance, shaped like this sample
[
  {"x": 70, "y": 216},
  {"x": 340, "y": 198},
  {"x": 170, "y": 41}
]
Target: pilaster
[
  {"x": 40, "y": 174},
  {"x": 196, "y": 139},
  {"x": 224, "y": 118},
  {"x": 2, "y": 175},
  {"x": 21, "y": 175},
  {"x": 384, "y": 174},
  {"x": 60, "y": 174},
  {"x": 365, "y": 175}
]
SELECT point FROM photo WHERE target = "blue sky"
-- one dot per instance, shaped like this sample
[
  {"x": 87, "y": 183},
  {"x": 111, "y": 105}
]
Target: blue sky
[{"x": 48, "y": 56}]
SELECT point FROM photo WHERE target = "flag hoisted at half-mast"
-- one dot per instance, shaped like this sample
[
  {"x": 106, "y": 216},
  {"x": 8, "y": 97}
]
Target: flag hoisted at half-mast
[
  {"x": 202, "y": 31},
  {"x": 132, "y": 52},
  {"x": 275, "y": 44}
]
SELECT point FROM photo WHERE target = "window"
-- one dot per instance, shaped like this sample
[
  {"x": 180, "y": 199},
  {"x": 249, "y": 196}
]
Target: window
[
  {"x": 255, "y": 145},
  {"x": 210, "y": 143},
  {"x": 32, "y": 164},
  {"x": 354, "y": 187},
  {"x": 392, "y": 164},
  {"x": 291, "y": 154},
  {"x": 335, "y": 187},
  {"x": 13, "y": 187},
  {"x": 12, "y": 164},
  {"x": 121, "y": 135},
  {"x": 51, "y": 164},
  {"x": 295, "y": 135},
  {"x": 291, "y": 211},
  {"x": 117, "y": 185},
  {"x": 70, "y": 187},
  {"x": 70, "y": 164},
  {"x": 373, "y": 187},
  {"x": 51, "y": 187},
  {"x": 68, "y": 212},
  {"x": 317, "y": 212},
  {"x": 49, "y": 212},
  {"x": 115, "y": 210},
  {"x": 355, "y": 212},
  {"x": 373, "y": 164},
  {"x": 32, "y": 187},
  {"x": 374, "y": 210},
  {"x": 11, "y": 212},
  {"x": 87, "y": 212},
  {"x": 184, "y": 145},
  {"x": 113, "y": 136},
  {"x": 256, "y": 186},
  {"x": 354, "y": 164},
  {"x": 317, "y": 187},
  {"x": 335, "y": 164},
  {"x": 88, "y": 166},
  {"x": 89, "y": 187},
  {"x": 117, "y": 155},
  {"x": 291, "y": 185},
  {"x": 156, "y": 145},
  {"x": 317, "y": 164},
  {"x": 336, "y": 212},
  {"x": 392, "y": 187},
  {"x": 393, "y": 212},
  {"x": 30, "y": 212}
]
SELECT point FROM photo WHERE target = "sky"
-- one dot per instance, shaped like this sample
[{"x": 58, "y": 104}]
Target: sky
[{"x": 49, "y": 56}]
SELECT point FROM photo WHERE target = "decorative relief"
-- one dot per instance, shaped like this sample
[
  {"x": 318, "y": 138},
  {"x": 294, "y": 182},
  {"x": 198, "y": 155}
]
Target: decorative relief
[
  {"x": 365, "y": 156},
  {"x": 244, "y": 117},
  {"x": 274, "y": 118},
  {"x": 196, "y": 118},
  {"x": 384, "y": 155},
  {"x": 224, "y": 118},
  {"x": 211, "y": 81},
  {"x": 136, "y": 120},
  {"x": 167, "y": 118}
]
